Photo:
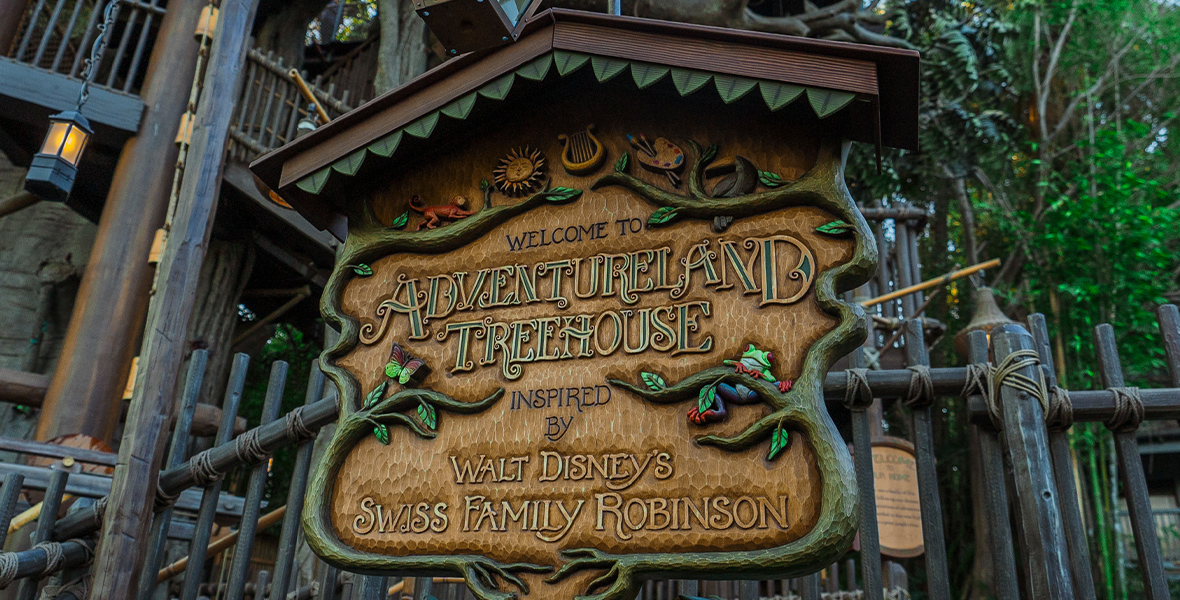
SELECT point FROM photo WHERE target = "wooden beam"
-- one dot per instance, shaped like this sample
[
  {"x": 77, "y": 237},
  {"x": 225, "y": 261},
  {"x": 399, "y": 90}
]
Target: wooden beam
[
  {"x": 19, "y": 387},
  {"x": 57, "y": 93},
  {"x": 237, "y": 175},
  {"x": 12, "y": 204},
  {"x": 126, "y": 527},
  {"x": 305, "y": 268}
]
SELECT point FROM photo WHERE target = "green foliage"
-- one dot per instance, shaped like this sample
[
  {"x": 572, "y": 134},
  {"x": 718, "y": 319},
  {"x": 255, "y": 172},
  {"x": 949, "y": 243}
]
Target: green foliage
[
  {"x": 653, "y": 382},
  {"x": 401, "y": 220},
  {"x": 662, "y": 216},
  {"x": 622, "y": 162},
  {"x": 428, "y": 414},
  {"x": 707, "y": 398},
  {"x": 836, "y": 228},
  {"x": 778, "y": 442},
  {"x": 771, "y": 179},
  {"x": 362, "y": 270}
]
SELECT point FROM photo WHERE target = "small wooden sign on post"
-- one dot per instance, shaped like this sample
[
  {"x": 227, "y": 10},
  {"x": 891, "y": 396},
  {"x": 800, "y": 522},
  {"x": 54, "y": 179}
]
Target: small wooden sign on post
[
  {"x": 899, "y": 514},
  {"x": 589, "y": 291}
]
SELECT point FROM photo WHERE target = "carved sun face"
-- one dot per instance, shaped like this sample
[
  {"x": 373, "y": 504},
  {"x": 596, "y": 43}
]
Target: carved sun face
[{"x": 520, "y": 172}]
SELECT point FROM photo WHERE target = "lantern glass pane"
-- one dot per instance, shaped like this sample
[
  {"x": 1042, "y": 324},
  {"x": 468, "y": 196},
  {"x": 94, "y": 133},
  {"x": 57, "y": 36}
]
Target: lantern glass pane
[
  {"x": 75, "y": 142},
  {"x": 515, "y": 9},
  {"x": 57, "y": 135}
]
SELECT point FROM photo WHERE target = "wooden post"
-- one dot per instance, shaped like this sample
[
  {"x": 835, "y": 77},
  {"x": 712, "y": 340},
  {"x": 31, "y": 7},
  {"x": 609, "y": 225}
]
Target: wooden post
[
  {"x": 995, "y": 491},
  {"x": 128, "y": 516},
  {"x": 1042, "y": 538},
  {"x": 109, "y": 313},
  {"x": 11, "y": 14}
]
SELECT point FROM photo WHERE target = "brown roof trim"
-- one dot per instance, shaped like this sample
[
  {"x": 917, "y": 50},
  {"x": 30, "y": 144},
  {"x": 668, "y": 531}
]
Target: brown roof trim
[{"x": 804, "y": 61}]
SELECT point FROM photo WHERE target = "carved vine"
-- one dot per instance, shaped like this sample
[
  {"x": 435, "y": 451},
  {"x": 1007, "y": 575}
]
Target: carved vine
[{"x": 800, "y": 409}]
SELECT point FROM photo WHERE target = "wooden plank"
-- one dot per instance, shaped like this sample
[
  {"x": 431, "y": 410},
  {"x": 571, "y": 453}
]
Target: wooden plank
[
  {"x": 237, "y": 175},
  {"x": 58, "y": 92},
  {"x": 1147, "y": 542},
  {"x": 33, "y": 448},
  {"x": 731, "y": 58},
  {"x": 24, "y": 388},
  {"x": 933, "y": 540},
  {"x": 128, "y": 517},
  {"x": 1042, "y": 538},
  {"x": 995, "y": 490},
  {"x": 1071, "y": 513}
]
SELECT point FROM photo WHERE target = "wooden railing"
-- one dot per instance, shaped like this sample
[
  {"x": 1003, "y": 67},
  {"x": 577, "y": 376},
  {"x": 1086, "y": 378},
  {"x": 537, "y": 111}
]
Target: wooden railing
[
  {"x": 271, "y": 106},
  {"x": 1167, "y": 527},
  {"x": 56, "y": 35}
]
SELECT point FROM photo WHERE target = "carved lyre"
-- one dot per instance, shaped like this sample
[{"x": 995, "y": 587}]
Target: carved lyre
[{"x": 583, "y": 152}]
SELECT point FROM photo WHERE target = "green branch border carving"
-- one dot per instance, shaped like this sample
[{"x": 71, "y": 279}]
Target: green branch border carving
[{"x": 801, "y": 408}]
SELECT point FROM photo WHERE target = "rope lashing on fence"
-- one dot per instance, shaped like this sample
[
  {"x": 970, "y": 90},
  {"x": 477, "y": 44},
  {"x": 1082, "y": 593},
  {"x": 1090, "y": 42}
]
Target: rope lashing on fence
[
  {"x": 78, "y": 589},
  {"x": 201, "y": 469},
  {"x": 1059, "y": 417},
  {"x": 986, "y": 380},
  {"x": 53, "y": 555},
  {"x": 297, "y": 430},
  {"x": 1128, "y": 410},
  {"x": 921, "y": 390},
  {"x": 249, "y": 449},
  {"x": 857, "y": 393},
  {"x": 164, "y": 499}
]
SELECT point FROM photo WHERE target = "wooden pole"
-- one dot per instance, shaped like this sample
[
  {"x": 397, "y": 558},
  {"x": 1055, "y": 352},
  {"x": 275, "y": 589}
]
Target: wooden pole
[
  {"x": 220, "y": 544},
  {"x": 929, "y": 283},
  {"x": 128, "y": 517},
  {"x": 87, "y": 385},
  {"x": 306, "y": 91}
]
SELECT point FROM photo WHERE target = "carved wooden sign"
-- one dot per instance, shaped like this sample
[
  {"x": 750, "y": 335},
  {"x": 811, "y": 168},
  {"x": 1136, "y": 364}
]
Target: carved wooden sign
[{"x": 573, "y": 355}]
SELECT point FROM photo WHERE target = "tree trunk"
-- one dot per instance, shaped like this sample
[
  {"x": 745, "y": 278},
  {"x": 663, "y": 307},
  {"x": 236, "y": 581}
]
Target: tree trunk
[
  {"x": 224, "y": 273},
  {"x": 402, "y": 47}
]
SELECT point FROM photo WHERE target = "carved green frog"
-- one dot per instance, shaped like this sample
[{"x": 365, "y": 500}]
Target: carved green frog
[{"x": 753, "y": 362}]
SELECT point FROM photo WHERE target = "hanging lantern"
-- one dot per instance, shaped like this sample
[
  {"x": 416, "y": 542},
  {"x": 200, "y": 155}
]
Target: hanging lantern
[
  {"x": 470, "y": 25},
  {"x": 985, "y": 317},
  {"x": 51, "y": 174}
]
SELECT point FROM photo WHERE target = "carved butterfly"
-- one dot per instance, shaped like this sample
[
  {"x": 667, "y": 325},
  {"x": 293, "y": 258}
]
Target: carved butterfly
[{"x": 401, "y": 365}]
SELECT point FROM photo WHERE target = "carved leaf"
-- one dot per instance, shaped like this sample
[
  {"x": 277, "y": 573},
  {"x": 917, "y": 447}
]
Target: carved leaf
[
  {"x": 498, "y": 89},
  {"x": 422, "y": 128},
  {"x": 568, "y": 62},
  {"x": 606, "y": 69},
  {"x": 646, "y": 74},
  {"x": 315, "y": 182},
  {"x": 536, "y": 70},
  {"x": 706, "y": 398},
  {"x": 375, "y": 396},
  {"x": 387, "y": 145},
  {"x": 382, "y": 433},
  {"x": 562, "y": 194},
  {"x": 778, "y": 442},
  {"x": 835, "y": 228},
  {"x": 827, "y": 102},
  {"x": 708, "y": 154},
  {"x": 662, "y": 215},
  {"x": 350, "y": 164},
  {"x": 459, "y": 109},
  {"x": 733, "y": 88},
  {"x": 621, "y": 164},
  {"x": 771, "y": 179},
  {"x": 401, "y": 220},
  {"x": 688, "y": 81},
  {"x": 362, "y": 270},
  {"x": 429, "y": 416},
  {"x": 778, "y": 95},
  {"x": 654, "y": 382}
]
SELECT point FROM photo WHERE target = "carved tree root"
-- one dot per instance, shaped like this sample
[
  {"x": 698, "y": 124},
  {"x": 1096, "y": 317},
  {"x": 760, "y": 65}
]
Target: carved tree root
[
  {"x": 619, "y": 580},
  {"x": 481, "y": 577}
]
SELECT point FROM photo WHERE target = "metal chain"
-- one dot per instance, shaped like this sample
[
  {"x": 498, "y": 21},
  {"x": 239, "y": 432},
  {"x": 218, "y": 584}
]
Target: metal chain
[{"x": 110, "y": 13}]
